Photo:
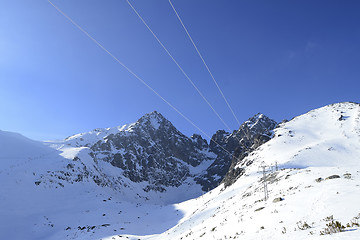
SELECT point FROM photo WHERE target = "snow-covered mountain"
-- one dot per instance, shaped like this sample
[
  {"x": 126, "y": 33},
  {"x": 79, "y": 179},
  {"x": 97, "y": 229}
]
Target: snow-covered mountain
[
  {"x": 152, "y": 154},
  {"x": 313, "y": 181},
  {"x": 122, "y": 182},
  {"x": 141, "y": 164}
]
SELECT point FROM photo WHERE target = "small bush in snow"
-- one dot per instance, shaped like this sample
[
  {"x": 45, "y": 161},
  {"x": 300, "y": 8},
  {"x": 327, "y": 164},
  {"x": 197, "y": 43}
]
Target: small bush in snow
[
  {"x": 332, "y": 227},
  {"x": 303, "y": 225},
  {"x": 329, "y": 218},
  {"x": 347, "y": 175},
  {"x": 355, "y": 221}
]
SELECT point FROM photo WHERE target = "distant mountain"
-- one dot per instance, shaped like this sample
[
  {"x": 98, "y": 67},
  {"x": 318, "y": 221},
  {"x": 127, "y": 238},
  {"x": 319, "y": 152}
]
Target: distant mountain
[
  {"x": 154, "y": 152},
  {"x": 150, "y": 155},
  {"x": 150, "y": 150}
]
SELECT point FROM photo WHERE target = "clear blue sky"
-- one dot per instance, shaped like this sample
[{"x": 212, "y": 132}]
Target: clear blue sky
[{"x": 281, "y": 58}]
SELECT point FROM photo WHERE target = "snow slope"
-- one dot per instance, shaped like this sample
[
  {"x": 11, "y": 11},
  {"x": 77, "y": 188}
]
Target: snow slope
[
  {"x": 14, "y": 148},
  {"x": 308, "y": 149},
  {"x": 58, "y": 190},
  {"x": 46, "y": 194}
]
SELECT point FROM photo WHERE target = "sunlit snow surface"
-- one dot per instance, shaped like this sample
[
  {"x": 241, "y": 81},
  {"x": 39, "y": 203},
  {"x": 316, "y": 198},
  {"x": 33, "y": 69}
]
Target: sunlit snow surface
[{"x": 318, "y": 144}]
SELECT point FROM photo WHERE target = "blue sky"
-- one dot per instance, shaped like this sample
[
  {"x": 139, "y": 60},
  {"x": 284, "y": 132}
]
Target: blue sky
[{"x": 281, "y": 58}]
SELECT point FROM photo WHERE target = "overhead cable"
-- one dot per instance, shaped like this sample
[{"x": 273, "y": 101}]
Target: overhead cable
[
  {"x": 206, "y": 66},
  {"x": 136, "y": 76},
  {"x": 178, "y": 65}
]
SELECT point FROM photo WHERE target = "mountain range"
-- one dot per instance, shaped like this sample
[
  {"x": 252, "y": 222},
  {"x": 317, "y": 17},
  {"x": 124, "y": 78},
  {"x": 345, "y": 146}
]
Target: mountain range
[
  {"x": 108, "y": 182},
  {"x": 153, "y": 153}
]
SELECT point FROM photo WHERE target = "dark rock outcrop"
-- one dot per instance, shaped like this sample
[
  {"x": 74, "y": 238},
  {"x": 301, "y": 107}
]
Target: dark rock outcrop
[
  {"x": 251, "y": 134},
  {"x": 234, "y": 148},
  {"x": 154, "y": 152}
]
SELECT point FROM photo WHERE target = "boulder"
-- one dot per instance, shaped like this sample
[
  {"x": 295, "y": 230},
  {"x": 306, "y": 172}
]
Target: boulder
[
  {"x": 333, "y": 177},
  {"x": 278, "y": 199}
]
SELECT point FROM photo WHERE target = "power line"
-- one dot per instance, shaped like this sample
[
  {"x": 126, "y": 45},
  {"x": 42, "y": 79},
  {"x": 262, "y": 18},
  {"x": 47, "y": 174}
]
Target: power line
[
  {"x": 178, "y": 65},
  {"x": 188, "y": 78},
  {"x": 148, "y": 86},
  {"x": 124, "y": 66},
  {"x": 136, "y": 76},
  {"x": 212, "y": 76},
  {"x": 206, "y": 66}
]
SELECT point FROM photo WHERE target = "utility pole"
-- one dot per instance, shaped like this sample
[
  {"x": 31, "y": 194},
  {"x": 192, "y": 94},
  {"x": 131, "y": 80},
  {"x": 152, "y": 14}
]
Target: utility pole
[{"x": 263, "y": 166}]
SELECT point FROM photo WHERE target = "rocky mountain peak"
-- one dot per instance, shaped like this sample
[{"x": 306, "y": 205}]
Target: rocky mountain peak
[
  {"x": 152, "y": 150},
  {"x": 153, "y": 119},
  {"x": 156, "y": 126},
  {"x": 235, "y": 146},
  {"x": 257, "y": 119},
  {"x": 259, "y": 123},
  {"x": 252, "y": 133}
]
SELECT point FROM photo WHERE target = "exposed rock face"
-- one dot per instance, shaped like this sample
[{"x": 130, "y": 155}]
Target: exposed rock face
[
  {"x": 216, "y": 171},
  {"x": 252, "y": 134},
  {"x": 234, "y": 147},
  {"x": 199, "y": 142},
  {"x": 154, "y": 152}
]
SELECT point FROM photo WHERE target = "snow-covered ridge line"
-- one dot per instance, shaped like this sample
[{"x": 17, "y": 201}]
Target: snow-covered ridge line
[
  {"x": 154, "y": 118},
  {"x": 323, "y": 137}
]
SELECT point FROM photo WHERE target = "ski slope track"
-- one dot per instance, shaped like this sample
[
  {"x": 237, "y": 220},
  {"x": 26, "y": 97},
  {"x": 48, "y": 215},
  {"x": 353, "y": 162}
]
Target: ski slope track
[{"x": 59, "y": 190}]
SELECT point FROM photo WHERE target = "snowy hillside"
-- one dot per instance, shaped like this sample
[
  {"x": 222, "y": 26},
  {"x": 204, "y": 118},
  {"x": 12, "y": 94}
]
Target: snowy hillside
[
  {"x": 318, "y": 183},
  {"x": 15, "y": 147},
  {"x": 49, "y": 193}
]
